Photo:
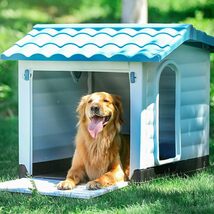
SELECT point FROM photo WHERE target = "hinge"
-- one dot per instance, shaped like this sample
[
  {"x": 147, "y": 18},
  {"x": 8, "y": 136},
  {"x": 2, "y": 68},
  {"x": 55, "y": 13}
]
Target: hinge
[
  {"x": 27, "y": 75},
  {"x": 132, "y": 77}
]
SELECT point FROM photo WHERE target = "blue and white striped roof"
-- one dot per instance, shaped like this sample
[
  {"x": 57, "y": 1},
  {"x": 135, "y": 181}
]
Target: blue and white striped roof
[{"x": 105, "y": 42}]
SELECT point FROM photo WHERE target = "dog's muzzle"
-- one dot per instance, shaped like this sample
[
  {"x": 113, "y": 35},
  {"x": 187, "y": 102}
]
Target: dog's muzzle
[
  {"x": 95, "y": 110},
  {"x": 97, "y": 121}
]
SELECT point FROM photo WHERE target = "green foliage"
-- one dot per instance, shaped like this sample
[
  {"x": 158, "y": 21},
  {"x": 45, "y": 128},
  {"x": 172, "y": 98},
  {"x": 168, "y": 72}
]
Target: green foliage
[
  {"x": 178, "y": 10},
  {"x": 8, "y": 88},
  {"x": 5, "y": 91},
  {"x": 98, "y": 11}
]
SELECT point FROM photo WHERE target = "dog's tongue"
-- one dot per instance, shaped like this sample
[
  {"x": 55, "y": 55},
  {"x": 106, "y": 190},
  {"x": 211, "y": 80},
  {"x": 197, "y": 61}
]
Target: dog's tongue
[{"x": 95, "y": 126}]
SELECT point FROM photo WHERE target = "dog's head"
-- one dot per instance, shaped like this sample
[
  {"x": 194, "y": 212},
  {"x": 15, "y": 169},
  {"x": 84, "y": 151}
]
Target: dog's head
[{"x": 100, "y": 110}]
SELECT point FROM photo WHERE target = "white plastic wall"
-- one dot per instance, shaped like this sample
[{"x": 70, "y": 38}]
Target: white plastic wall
[
  {"x": 55, "y": 96},
  {"x": 193, "y": 72},
  {"x": 194, "y": 65}
]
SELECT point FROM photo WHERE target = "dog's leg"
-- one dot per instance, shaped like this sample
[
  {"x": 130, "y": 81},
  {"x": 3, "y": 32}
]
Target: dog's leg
[
  {"x": 75, "y": 174},
  {"x": 113, "y": 176}
]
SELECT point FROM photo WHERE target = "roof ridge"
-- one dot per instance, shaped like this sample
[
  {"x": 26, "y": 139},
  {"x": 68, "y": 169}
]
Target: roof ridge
[{"x": 108, "y": 25}]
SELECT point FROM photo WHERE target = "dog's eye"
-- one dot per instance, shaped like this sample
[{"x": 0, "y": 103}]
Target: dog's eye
[
  {"x": 106, "y": 100},
  {"x": 90, "y": 101}
]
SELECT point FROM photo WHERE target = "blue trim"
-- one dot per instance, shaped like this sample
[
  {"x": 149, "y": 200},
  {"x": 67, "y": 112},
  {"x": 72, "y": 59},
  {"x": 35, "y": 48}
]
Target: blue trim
[
  {"x": 112, "y": 26},
  {"x": 78, "y": 57}
]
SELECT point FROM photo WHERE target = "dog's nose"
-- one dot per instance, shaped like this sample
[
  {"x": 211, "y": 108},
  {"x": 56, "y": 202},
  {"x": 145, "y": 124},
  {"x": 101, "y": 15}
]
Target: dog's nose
[{"x": 95, "y": 109}]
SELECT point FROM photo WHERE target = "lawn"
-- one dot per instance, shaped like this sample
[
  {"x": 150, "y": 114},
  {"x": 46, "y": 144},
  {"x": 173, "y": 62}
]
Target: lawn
[{"x": 164, "y": 195}]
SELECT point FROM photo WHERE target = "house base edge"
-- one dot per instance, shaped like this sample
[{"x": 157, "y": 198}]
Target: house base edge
[{"x": 181, "y": 168}]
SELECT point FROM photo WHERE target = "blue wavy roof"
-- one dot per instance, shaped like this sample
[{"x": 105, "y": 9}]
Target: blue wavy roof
[{"x": 105, "y": 42}]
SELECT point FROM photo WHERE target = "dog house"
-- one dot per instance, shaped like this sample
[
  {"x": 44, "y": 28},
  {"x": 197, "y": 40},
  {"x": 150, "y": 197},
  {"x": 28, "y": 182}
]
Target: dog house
[{"x": 161, "y": 72}]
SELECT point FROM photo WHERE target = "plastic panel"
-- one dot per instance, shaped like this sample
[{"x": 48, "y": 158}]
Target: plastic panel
[{"x": 55, "y": 97}]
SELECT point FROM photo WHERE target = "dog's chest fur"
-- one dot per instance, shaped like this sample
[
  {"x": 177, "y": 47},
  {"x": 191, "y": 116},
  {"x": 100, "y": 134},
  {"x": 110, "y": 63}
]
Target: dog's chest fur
[
  {"x": 100, "y": 156},
  {"x": 95, "y": 170}
]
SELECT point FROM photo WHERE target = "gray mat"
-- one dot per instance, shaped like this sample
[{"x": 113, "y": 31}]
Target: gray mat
[{"x": 48, "y": 187}]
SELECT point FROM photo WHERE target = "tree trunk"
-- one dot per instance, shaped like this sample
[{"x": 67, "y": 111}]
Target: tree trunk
[{"x": 135, "y": 11}]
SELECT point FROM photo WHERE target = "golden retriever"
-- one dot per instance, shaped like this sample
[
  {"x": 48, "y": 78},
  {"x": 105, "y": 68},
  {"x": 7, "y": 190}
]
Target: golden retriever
[{"x": 101, "y": 156}]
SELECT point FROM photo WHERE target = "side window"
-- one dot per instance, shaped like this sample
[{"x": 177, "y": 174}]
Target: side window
[{"x": 167, "y": 114}]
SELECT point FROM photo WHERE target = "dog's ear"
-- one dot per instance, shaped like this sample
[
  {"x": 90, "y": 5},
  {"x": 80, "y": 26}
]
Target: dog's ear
[
  {"x": 119, "y": 109},
  {"x": 81, "y": 107}
]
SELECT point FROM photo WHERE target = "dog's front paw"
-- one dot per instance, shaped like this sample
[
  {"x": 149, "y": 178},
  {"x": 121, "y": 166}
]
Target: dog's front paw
[
  {"x": 66, "y": 185},
  {"x": 93, "y": 185}
]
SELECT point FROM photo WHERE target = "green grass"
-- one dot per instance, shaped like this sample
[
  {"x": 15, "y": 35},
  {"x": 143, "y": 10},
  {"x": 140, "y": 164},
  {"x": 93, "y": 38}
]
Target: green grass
[
  {"x": 165, "y": 195},
  {"x": 8, "y": 148}
]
